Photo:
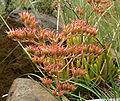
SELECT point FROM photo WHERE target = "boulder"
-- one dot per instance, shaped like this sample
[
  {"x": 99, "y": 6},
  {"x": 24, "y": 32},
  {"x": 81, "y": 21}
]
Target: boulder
[
  {"x": 13, "y": 61},
  {"x": 24, "y": 89},
  {"x": 12, "y": 64}
]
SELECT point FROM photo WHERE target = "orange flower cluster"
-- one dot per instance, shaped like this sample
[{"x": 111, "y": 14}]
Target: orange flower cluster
[
  {"x": 79, "y": 11},
  {"x": 77, "y": 27},
  {"x": 22, "y": 34},
  {"x": 17, "y": 33},
  {"x": 54, "y": 51},
  {"x": 63, "y": 88},
  {"x": 28, "y": 20},
  {"x": 99, "y": 9},
  {"x": 46, "y": 81},
  {"x": 85, "y": 50},
  {"x": 34, "y": 50},
  {"x": 50, "y": 69},
  {"x": 95, "y": 50},
  {"x": 35, "y": 59},
  {"x": 78, "y": 72}
]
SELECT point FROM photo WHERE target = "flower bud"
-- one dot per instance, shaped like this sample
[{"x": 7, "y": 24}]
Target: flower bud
[
  {"x": 59, "y": 87},
  {"x": 60, "y": 93},
  {"x": 54, "y": 92},
  {"x": 34, "y": 59},
  {"x": 64, "y": 86},
  {"x": 46, "y": 81}
]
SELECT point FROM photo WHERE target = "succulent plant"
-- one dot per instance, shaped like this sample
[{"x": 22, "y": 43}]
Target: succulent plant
[
  {"x": 97, "y": 67},
  {"x": 53, "y": 55}
]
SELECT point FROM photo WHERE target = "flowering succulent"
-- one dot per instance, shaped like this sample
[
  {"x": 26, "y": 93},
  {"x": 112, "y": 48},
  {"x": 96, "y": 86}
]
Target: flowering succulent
[
  {"x": 99, "y": 6},
  {"x": 50, "y": 57}
]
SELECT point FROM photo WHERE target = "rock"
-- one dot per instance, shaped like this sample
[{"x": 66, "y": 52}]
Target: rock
[
  {"x": 50, "y": 23},
  {"x": 24, "y": 89},
  {"x": 16, "y": 62}
]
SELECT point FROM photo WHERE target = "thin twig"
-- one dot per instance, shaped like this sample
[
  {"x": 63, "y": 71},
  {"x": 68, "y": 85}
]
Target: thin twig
[{"x": 71, "y": 8}]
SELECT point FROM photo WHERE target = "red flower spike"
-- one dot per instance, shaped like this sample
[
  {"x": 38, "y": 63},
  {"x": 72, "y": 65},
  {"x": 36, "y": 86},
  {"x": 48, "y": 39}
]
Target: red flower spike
[
  {"x": 99, "y": 51},
  {"x": 77, "y": 50},
  {"x": 54, "y": 92},
  {"x": 27, "y": 22},
  {"x": 37, "y": 51},
  {"x": 60, "y": 93},
  {"x": 15, "y": 33},
  {"x": 30, "y": 48},
  {"x": 21, "y": 33},
  {"x": 84, "y": 47},
  {"x": 59, "y": 87},
  {"x": 31, "y": 18},
  {"x": 41, "y": 34},
  {"x": 79, "y": 25},
  {"x": 79, "y": 11},
  {"x": 65, "y": 29},
  {"x": 47, "y": 69},
  {"x": 73, "y": 88},
  {"x": 40, "y": 59},
  {"x": 34, "y": 24},
  {"x": 95, "y": 50},
  {"x": 78, "y": 72},
  {"x": 34, "y": 59},
  {"x": 91, "y": 50},
  {"x": 54, "y": 51},
  {"x": 49, "y": 33},
  {"x": 94, "y": 32},
  {"x": 31, "y": 33},
  {"x": 47, "y": 82},
  {"x": 53, "y": 71},
  {"x": 23, "y": 16},
  {"x": 73, "y": 28},
  {"x": 10, "y": 34},
  {"x": 70, "y": 87},
  {"x": 65, "y": 86}
]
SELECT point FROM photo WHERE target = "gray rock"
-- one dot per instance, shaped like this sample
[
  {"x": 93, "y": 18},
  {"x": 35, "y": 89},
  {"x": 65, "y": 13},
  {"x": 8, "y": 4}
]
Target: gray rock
[
  {"x": 50, "y": 23},
  {"x": 24, "y": 89},
  {"x": 16, "y": 63}
]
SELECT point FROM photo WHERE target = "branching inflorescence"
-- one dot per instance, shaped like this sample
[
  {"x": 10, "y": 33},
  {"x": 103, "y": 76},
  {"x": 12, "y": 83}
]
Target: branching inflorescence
[{"x": 49, "y": 57}]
